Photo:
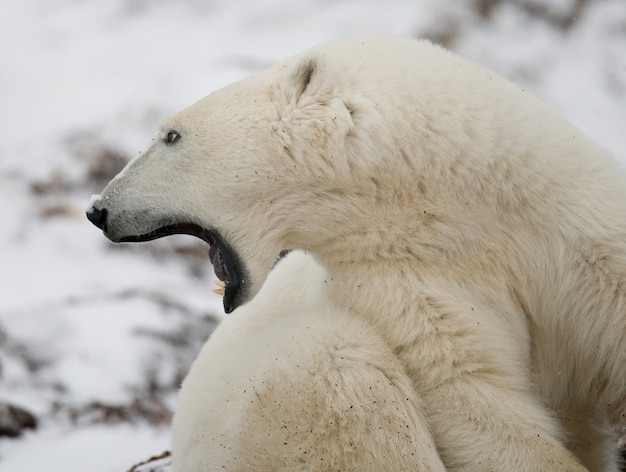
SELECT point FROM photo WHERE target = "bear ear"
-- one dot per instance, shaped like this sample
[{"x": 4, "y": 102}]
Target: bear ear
[
  {"x": 310, "y": 94},
  {"x": 303, "y": 75}
]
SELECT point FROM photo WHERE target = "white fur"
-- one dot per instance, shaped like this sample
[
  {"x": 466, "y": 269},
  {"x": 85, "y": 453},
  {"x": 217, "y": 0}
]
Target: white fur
[
  {"x": 481, "y": 236},
  {"x": 288, "y": 383}
]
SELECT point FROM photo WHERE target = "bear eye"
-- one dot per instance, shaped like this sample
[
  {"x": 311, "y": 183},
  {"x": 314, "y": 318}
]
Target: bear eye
[{"x": 172, "y": 137}]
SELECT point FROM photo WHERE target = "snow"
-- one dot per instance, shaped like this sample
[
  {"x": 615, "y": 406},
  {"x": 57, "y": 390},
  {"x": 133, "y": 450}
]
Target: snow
[
  {"x": 94, "y": 337},
  {"x": 92, "y": 200},
  {"x": 111, "y": 448}
]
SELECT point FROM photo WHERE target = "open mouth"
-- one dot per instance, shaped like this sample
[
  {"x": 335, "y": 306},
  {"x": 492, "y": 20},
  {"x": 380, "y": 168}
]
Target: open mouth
[{"x": 226, "y": 264}]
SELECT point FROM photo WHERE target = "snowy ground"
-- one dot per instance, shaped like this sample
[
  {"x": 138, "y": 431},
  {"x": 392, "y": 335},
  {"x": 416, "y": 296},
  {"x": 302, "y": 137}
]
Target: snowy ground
[{"x": 95, "y": 338}]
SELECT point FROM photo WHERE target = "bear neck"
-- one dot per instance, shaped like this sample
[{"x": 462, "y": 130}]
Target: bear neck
[
  {"x": 364, "y": 252},
  {"x": 446, "y": 231}
]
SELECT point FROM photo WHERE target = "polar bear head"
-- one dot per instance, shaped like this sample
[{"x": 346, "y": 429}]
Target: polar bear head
[
  {"x": 233, "y": 168},
  {"x": 244, "y": 169},
  {"x": 335, "y": 142}
]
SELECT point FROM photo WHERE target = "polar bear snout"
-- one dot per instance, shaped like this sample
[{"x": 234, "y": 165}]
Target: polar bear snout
[
  {"x": 98, "y": 216},
  {"x": 115, "y": 229},
  {"x": 122, "y": 224}
]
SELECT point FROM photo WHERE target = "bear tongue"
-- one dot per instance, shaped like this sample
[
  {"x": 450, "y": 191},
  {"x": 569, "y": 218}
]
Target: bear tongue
[
  {"x": 219, "y": 266},
  {"x": 227, "y": 269}
]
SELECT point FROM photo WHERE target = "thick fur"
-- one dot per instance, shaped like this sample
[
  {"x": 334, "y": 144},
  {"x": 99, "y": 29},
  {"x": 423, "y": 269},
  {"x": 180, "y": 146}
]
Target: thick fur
[
  {"x": 289, "y": 383},
  {"x": 481, "y": 236}
]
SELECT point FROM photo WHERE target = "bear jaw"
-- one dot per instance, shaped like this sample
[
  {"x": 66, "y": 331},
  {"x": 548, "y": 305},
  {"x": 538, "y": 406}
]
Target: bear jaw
[{"x": 227, "y": 265}]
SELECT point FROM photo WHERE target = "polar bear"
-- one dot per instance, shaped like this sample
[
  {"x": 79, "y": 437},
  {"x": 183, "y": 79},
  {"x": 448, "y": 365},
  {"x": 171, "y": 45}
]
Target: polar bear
[
  {"x": 287, "y": 382},
  {"x": 479, "y": 234}
]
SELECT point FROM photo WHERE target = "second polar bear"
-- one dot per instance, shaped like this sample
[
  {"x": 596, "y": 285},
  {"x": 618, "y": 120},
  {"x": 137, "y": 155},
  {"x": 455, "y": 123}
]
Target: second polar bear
[
  {"x": 481, "y": 236},
  {"x": 289, "y": 383}
]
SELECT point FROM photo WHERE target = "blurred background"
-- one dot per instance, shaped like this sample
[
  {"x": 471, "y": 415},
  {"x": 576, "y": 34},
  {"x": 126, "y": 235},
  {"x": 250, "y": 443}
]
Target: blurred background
[{"x": 95, "y": 338}]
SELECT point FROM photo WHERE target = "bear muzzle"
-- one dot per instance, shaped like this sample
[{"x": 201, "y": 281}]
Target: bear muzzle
[
  {"x": 98, "y": 217},
  {"x": 225, "y": 261}
]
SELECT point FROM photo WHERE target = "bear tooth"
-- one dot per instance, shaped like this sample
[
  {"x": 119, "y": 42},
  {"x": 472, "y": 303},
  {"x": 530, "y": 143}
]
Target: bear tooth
[{"x": 218, "y": 291}]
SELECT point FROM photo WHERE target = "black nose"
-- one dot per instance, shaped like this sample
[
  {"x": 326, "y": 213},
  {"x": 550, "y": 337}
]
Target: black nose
[{"x": 98, "y": 217}]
